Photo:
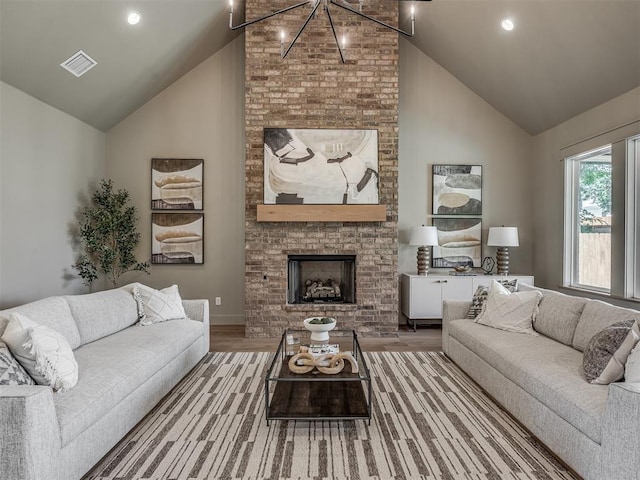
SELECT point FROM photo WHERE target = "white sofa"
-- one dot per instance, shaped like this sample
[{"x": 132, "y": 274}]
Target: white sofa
[
  {"x": 594, "y": 429},
  {"x": 124, "y": 371}
]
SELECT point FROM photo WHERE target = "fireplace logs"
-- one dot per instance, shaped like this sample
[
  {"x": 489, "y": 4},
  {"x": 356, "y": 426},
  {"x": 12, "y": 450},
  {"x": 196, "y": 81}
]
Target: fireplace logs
[{"x": 319, "y": 290}]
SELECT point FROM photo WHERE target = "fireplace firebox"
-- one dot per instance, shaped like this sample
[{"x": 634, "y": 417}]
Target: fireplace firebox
[{"x": 321, "y": 279}]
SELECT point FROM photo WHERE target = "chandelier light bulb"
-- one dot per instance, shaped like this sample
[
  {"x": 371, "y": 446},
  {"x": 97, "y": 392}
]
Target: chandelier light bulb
[
  {"x": 507, "y": 24},
  {"x": 282, "y": 35},
  {"x": 344, "y": 41},
  {"x": 133, "y": 18},
  {"x": 413, "y": 11}
]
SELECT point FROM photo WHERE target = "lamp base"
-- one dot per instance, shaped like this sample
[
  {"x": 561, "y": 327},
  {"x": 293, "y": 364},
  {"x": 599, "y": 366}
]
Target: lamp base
[
  {"x": 502, "y": 260},
  {"x": 423, "y": 260}
]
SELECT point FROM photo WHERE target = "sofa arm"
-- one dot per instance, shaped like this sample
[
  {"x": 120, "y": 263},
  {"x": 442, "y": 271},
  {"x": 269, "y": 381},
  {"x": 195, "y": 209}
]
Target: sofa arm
[
  {"x": 199, "y": 310},
  {"x": 29, "y": 433},
  {"x": 455, "y": 309},
  {"x": 452, "y": 310},
  {"x": 620, "y": 432}
]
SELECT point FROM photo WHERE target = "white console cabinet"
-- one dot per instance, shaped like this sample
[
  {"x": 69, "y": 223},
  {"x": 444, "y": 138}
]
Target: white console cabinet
[{"x": 422, "y": 296}]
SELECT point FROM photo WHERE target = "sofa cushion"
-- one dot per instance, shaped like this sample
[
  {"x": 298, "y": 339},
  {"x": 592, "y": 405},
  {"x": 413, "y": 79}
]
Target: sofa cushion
[
  {"x": 52, "y": 312},
  {"x": 103, "y": 313},
  {"x": 607, "y": 352},
  {"x": 596, "y": 316},
  {"x": 114, "y": 366},
  {"x": 558, "y": 314},
  {"x": 545, "y": 368}
]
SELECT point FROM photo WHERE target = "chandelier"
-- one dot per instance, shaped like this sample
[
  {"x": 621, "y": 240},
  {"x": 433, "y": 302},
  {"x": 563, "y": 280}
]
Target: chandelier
[{"x": 326, "y": 7}]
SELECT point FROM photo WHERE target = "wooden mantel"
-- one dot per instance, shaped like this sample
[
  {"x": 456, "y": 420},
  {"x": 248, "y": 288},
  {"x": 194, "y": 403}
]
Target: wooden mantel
[{"x": 322, "y": 213}]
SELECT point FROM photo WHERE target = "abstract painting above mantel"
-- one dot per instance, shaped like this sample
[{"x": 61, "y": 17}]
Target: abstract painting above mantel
[
  {"x": 320, "y": 166},
  {"x": 176, "y": 183},
  {"x": 457, "y": 190},
  {"x": 459, "y": 242}
]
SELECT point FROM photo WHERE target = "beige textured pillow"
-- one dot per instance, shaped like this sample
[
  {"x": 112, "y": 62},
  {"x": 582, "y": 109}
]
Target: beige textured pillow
[
  {"x": 480, "y": 297},
  {"x": 44, "y": 353},
  {"x": 605, "y": 357},
  {"x": 632, "y": 366},
  {"x": 513, "y": 312},
  {"x": 155, "y": 306}
]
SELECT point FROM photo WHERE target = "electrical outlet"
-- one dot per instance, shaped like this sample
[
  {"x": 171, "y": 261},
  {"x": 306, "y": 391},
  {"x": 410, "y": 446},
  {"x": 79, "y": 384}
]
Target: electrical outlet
[{"x": 218, "y": 300}]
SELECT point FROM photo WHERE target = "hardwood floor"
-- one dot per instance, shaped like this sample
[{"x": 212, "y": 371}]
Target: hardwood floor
[{"x": 230, "y": 338}]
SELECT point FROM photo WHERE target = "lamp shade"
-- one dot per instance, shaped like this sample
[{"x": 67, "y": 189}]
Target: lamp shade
[
  {"x": 503, "y": 237},
  {"x": 424, "y": 236}
]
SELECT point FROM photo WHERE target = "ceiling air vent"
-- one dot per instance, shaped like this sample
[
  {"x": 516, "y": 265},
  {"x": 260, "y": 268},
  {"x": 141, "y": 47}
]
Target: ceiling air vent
[{"x": 79, "y": 63}]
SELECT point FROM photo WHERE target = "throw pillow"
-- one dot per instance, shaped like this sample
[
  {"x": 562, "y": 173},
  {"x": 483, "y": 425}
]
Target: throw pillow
[
  {"x": 632, "y": 366},
  {"x": 606, "y": 354},
  {"x": 44, "y": 353},
  {"x": 156, "y": 306},
  {"x": 480, "y": 297},
  {"x": 11, "y": 372},
  {"x": 513, "y": 312}
]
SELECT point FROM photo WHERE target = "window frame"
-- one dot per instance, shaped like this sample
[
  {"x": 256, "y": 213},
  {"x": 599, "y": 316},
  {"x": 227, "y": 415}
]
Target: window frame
[
  {"x": 632, "y": 220},
  {"x": 571, "y": 259}
]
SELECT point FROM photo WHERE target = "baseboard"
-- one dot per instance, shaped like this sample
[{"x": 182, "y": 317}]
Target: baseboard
[{"x": 226, "y": 319}]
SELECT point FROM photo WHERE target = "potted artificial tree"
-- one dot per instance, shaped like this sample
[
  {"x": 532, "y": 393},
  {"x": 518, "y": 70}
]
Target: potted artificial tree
[{"x": 108, "y": 237}]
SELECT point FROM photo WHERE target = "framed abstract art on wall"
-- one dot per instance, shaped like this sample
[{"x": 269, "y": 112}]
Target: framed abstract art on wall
[
  {"x": 459, "y": 243},
  {"x": 177, "y": 238},
  {"x": 457, "y": 190},
  {"x": 176, "y": 183},
  {"x": 320, "y": 166}
]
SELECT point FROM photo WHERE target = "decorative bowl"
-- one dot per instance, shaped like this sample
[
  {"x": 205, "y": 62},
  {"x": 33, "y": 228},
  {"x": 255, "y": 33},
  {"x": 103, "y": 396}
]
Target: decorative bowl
[
  {"x": 319, "y": 331},
  {"x": 462, "y": 268}
]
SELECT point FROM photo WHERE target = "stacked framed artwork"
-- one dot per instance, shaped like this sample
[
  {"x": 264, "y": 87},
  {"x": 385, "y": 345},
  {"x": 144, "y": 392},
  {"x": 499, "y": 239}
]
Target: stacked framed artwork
[
  {"x": 457, "y": 210},
  {"x": 177, "y": 231}
]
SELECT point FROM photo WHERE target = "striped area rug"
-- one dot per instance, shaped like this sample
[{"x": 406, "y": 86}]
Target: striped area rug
[{"x": 430, "y": 422}]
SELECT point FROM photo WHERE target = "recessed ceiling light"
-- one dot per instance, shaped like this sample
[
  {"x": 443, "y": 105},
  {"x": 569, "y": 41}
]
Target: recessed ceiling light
[
  {"x": 507, "y": 24},
  {"x": 133, "y": 18}
]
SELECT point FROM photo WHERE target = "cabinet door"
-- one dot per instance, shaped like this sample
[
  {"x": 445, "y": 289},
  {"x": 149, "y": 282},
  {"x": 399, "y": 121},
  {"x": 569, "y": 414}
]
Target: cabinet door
[
  {"x": 460, "y": 288},
  {"x": 426, "y": 298}
]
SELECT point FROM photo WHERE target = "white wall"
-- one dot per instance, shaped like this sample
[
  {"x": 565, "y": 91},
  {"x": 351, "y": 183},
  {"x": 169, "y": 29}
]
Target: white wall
[
  {"x": 49, "y": 164},
  {"x": 442, "y": 121},
  {"x": 548, "y": 178},
  {"x": 199, "y": 116}
]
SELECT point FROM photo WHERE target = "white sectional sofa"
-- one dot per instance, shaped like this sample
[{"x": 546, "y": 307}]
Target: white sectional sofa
[
  {"x": 124, "y": 371},
  {"x": 595, "y": 429}
]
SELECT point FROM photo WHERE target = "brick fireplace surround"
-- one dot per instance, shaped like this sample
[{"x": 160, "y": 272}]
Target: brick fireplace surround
[{"x": 312, "y": 89}]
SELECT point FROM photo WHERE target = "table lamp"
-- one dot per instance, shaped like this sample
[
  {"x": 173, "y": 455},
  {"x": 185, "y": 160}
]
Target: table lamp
[
  {"x": 424, "y": 237},
  {"x": 503, "y": 238}
]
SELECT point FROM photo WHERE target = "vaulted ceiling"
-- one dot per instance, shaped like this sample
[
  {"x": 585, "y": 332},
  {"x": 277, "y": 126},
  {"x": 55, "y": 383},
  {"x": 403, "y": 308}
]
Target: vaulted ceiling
[{"x": 562, "y": 58}]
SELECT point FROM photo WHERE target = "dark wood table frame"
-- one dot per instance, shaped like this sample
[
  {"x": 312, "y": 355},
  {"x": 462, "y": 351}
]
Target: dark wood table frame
[{"x": 315, "y": 395}]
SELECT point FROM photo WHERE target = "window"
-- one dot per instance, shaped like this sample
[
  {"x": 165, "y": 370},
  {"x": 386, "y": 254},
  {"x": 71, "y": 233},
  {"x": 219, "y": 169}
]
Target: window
[
  {"x": 602, "y": 214},
  {"x": 588, "y": 219}
]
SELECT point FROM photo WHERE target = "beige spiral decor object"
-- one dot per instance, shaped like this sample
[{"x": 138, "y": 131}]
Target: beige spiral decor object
[{"x": 336, "y": 363}]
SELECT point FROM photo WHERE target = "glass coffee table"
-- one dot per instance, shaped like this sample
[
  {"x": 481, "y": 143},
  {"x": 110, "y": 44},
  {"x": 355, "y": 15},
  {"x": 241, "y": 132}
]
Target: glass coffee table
[{"x": 315, "y": 395}]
